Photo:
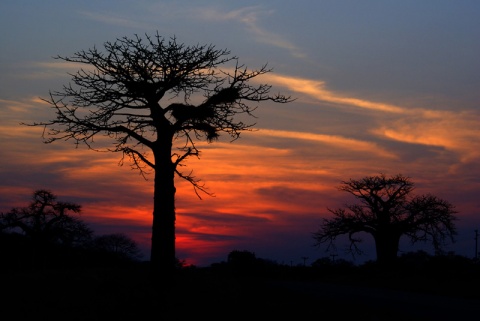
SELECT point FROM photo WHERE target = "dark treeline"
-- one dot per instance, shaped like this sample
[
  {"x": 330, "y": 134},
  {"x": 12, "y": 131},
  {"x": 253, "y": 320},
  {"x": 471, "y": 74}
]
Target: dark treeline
[
  {"x": 48, "y": 234},
  {"x": 86, "y": 282},
  {"x": 418, "y": 271},
  {"x": 21, "y": 253}
]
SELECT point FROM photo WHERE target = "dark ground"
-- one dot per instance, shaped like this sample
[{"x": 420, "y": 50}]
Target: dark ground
[{"x": 205, "y": 293}]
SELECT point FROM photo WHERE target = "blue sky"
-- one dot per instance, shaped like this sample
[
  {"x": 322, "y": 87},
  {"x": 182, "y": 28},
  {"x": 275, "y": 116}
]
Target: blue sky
[{"x": 381, "y": 86}]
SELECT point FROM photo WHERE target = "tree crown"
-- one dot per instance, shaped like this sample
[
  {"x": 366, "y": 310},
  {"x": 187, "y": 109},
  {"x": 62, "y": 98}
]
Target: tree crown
[{"x": 145, "y": 93}]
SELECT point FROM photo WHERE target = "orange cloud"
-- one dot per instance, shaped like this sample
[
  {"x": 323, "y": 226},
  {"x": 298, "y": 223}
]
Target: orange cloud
[
  {"x": 316, "y": 89},
  {"x": 456, "y": 132},
  {"x": 452, "y": 130},
  {"x": 338, "y": 141}
]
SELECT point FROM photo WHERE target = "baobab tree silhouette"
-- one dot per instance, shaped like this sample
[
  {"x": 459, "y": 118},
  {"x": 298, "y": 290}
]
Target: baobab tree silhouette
[{"x": 140, "y": 93}]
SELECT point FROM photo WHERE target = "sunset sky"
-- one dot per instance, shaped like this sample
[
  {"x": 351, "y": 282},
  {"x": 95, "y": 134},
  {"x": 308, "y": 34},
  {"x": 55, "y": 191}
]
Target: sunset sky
[{"x": 380, "y": 86}]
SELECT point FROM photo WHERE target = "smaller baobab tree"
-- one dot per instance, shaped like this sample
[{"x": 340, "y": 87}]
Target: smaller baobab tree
[
  {"x": 387, "y": 210},
  {"x": 117, "y": 244},
  {"x": 47, "y": 223},
  {"x": 47, "y": 220}
]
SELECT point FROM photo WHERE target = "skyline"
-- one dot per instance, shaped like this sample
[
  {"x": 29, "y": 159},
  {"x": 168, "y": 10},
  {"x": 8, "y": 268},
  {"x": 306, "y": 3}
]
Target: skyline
[{"x": 380, "y": 88}]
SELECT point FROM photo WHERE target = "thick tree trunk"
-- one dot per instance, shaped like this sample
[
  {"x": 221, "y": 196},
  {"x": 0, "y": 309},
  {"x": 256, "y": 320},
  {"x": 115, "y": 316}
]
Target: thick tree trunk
[
  {"x": 386, "y": 245},
  {"x": 163, "y": 258}
]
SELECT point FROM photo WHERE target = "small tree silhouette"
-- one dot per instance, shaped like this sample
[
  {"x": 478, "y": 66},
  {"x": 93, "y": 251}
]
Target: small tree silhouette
[
  {"x": 47, "y": 222},
  {"x": 241, "y": 258},
  {"x": 119, "y": 245},
  {"x": 387, "y": 210}
]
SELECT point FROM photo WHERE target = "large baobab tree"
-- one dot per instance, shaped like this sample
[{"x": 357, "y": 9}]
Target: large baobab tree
[
  {"x": 387, "y": 210},
  {"x": 155, "y": 98}
]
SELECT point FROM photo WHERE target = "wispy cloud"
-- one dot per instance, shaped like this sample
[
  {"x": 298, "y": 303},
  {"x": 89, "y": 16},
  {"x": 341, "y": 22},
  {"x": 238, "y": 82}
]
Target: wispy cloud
[
  {"x": 317, "y": 90},
  {"x": 56, "y": 69},
  {"x": 114, "y": 19},
  {"x": 252, "y": 17},
  {"x": 64, "y": 66},
  {"x": 455, "y": 131},
  {"x": 338, "y": 141}
]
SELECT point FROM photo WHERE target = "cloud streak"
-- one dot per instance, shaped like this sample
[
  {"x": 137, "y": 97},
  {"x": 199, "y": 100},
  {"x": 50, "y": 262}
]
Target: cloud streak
[
  {"x": 252, "y": 17},
  {"x": 317, "y": 90},
  {"x": 114, "y": 19},
  {"x": 337, "y": 141}
]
